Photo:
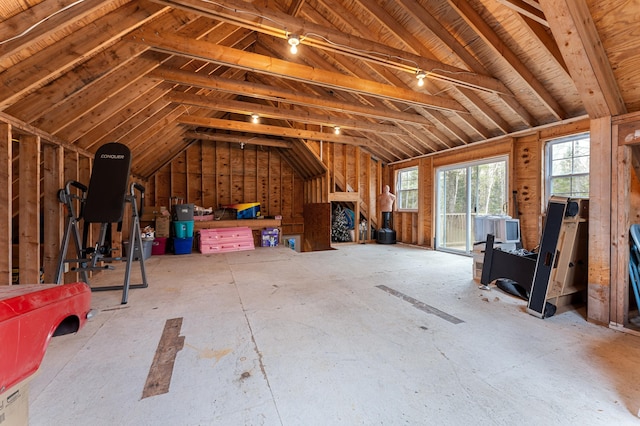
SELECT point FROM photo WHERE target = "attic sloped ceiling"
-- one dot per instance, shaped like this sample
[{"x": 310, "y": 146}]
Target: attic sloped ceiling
[{"x": 159, "y": 75}]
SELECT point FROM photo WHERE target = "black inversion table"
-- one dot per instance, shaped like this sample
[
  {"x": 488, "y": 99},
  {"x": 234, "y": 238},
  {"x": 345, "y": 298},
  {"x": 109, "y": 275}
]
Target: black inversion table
[{"x": 103, "y": 202}]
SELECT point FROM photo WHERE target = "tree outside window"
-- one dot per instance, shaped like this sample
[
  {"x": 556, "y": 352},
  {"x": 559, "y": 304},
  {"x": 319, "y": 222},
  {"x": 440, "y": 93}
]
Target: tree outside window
[
  {"x": 568, "y": 166},
  {"x": 407, "y": 189}
]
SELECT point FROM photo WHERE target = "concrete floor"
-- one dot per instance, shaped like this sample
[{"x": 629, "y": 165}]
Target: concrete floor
[{"x": 275, "y": 337}]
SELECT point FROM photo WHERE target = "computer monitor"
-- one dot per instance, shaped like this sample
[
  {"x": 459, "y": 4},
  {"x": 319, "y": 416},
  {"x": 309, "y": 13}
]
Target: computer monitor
[{"x": 507, "y": 230}]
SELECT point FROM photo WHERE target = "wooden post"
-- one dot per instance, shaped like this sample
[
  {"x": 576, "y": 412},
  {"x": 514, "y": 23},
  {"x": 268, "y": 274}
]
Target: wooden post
[
  {"x": 6, "y": 210},
  {"x": 29, "y": 210},
  {"x": 53, "y": 180},
  {"x": 70, "y": 160},
  {"x": 600, "y": 249}
]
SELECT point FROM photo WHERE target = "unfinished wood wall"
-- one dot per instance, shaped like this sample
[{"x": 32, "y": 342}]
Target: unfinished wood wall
[
  {"x": 33, "y": 170},
  {"x": 211, "y": 174},
  {"x": 350, "y": 169},
  {"x": 526, "y": 157}
]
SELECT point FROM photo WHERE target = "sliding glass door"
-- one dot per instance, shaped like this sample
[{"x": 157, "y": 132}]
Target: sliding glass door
[{"x": 464, "y": 191}]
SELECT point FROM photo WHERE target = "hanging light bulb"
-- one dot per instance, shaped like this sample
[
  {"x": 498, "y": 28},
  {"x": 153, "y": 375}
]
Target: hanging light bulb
[
  {"x": 294, "y": 41},
  {"x": 336, "y": 130},
  {"x": 420, "y": 75},
  {"x": 255, "y": 117}
]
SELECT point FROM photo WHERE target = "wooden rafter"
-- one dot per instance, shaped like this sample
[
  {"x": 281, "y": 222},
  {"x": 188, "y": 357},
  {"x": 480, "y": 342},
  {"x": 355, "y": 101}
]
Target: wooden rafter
[
  {"x": 54, "y": 61},
  {"x": 280, "y": 25},
  {"x": 530, "y": 9},
  {"x": 586, "y": 59}
]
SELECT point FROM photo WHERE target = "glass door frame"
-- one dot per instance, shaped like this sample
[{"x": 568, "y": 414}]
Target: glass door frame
[{"x": 466, "y": 165}]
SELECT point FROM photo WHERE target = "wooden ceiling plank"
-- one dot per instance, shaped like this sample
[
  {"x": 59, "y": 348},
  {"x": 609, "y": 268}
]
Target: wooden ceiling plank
[
  {"x": 295, "y": 7},
  {"x": 167, "y": 143},
  {"x": 42, "y": 21},
  {"x": 546, "y": 40},
  {"x": 184, "y": 46},
  {"x": 239, "y": 126},
  {"x": 143, "y": 140},
  {"x": 112, "y": 90},
  {"x": 577, "y": 36},
  {"x": 50, "y": 97},
  {"x": 249, "y": 108},
  {"x": 470, "y": 95},
  {"x": 93, "y": 118},
  {"x": 267, "y": 92},
  {"x": 279, "y": 24},
  {"x": 489, "y": 113},
  {"x": 435, "y": 26},
  {"x": 475, "y": 21},
  {"x": 52, "y": 62},
  {"x": 120, "y": 123},
  {"x": 128, "y": 118},
  {"x": 455, "y": 131}
]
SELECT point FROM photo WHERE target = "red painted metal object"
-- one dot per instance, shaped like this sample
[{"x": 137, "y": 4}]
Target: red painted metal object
[{"x": 30, "y": 314}]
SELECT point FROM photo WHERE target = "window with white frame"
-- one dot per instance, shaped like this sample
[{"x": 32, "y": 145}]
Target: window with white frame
[
  {"x": 568, "y": 166},
  {"x": 407, "y": 189}
]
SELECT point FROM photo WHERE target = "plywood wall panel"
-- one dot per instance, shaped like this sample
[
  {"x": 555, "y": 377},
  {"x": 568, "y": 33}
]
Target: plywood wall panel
[
  {"x": 526, "y": 171},
  {"x": 194, "y": 174},
  {"x": 262, "y": 177},
  {"x": 250, "y": 182},
  {"x": 163, "y": 186},
  {"x": 352, "y": 154},
  {"x": 287, "y": 192},
  {"x": 426, "y": 196},
  {"x": 223, "y": 174},
  {"x": 237, "y": 174},
  {"x": 209, "y": 196},
  {"x": 275, "y": 188},
  {"x": 179, "y": 184}
]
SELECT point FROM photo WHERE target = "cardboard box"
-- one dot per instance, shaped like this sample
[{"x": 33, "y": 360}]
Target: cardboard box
[
  {"x": 14, "y": 405},
  {"x": 163, "y": 225},
  {"x": 270, "y": 237}
]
